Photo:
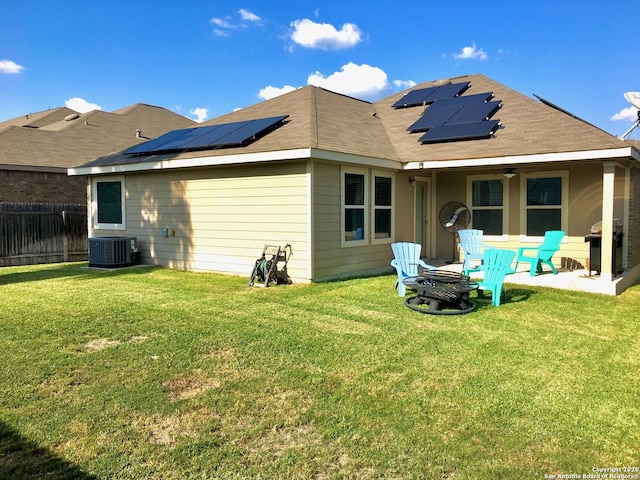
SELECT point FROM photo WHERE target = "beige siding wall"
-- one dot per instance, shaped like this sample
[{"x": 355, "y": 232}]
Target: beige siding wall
[
  {"x": 331, "y": 260},
  {"x": 222, "y": 217}
]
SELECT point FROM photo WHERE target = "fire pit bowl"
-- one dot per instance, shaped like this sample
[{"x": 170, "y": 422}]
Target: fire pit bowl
[{"x": 440, "y": 293}]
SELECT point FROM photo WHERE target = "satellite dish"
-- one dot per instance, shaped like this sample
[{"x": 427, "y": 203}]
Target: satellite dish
[{"x": 634, "y": 99}]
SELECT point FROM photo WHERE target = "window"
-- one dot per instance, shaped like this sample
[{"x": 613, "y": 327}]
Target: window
[
  {"x": 382, "y": 207},
  {"x": 108, "y": 204},
  {"x": 487, "y": 204},
  {"x": 367, "y": 207},
  {"x": 544, "y": 202},
  {"x": 354, "y": 194}
]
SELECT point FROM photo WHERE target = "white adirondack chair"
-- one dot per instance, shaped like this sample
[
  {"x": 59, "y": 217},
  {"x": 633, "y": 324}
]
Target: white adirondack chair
[{"x": 406, "y": 261}]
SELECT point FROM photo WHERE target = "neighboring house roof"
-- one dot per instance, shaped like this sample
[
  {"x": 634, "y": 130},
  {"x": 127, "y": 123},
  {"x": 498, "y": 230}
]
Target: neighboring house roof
[
  {"x": 62, "y": 138},
  {"x": 38, "y": 119},
  {"x": 324, "y": 124}
]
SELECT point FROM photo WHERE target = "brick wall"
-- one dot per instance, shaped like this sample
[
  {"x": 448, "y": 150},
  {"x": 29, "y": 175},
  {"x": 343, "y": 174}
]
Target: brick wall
[{"x": 40, "y": 187}]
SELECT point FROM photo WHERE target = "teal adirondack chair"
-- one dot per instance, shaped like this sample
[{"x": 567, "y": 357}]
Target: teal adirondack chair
[
  {"x": 471, "y": 245},
  {"x": 406, "y": 261},
  {"x": 543, "y": 253},
  {"x": 496, "y": 265}
]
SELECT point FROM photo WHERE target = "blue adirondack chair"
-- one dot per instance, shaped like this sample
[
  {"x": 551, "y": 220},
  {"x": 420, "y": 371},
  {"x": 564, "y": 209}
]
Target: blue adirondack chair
[
  {"x": 471, "y": 245},
  {"x": 406, "y": 261},
  {"x": 496, "y": 265},
  {"x": 543, "y": 253}
]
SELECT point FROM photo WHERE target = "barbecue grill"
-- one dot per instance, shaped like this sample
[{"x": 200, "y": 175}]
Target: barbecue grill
[{"x": 595, "y": 247}]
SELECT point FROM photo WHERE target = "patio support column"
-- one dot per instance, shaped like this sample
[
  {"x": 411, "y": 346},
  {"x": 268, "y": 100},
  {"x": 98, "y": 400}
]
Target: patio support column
[{"x": 608, "y": 195}]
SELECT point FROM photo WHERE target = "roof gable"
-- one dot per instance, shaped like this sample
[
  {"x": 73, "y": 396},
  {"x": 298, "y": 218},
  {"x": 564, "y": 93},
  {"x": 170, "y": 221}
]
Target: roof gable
[{"x": 527, "y": 127}]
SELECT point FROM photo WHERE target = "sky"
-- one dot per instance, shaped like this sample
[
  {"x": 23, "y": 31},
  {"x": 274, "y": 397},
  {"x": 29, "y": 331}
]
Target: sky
[{"x": 205, "y": 58}]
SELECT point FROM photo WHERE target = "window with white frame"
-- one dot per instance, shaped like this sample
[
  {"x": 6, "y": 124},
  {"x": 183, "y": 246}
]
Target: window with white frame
[
  {"x": 367, "y": 207},
  {"x": 108, "y": 203},
  {"x": 354, "y": 195},
  {"x": 487, "y": 204},
  {"x": 545, "y": 201},
  {"x": 382, "y": 207}
]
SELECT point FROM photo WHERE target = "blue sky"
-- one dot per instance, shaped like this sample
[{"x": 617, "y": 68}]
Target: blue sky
[{"x": 206, "y": 58}]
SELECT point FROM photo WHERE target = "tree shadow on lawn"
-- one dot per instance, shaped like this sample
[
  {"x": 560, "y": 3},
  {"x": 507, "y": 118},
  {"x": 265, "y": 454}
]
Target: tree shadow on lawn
[
  {"x": 64, "y": 270},
  {"x": 21, "y": 458}
]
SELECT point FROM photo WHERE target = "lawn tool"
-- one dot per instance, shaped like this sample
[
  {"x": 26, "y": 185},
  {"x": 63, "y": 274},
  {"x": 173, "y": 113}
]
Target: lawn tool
[{"x": 267, "y": 269}]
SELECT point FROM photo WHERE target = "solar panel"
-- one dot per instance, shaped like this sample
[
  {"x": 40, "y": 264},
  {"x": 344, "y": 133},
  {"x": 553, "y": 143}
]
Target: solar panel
[
  {"x": 460, "y": 131},
  {"x": 463, "y": 100},
  {"x": 449, "y": 91},
  {"x": 475, "y": 113},
  {"x": 433, "y": 118},
  {"x": 151, "y": 144},
  {"x": 211, "y": 136},
  {"x": 249, "y": 129},
  {"x": 431, "y": 94},
  {"x": 414, "y": 98}
]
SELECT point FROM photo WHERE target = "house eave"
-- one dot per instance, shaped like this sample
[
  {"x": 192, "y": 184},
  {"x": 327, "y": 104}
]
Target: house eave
[
  {"x": 558, "y": 157},
  {"x": 220, "y": 160}
]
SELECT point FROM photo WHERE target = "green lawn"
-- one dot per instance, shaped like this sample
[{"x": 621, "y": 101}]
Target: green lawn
[{"x": 162, "y": 374}]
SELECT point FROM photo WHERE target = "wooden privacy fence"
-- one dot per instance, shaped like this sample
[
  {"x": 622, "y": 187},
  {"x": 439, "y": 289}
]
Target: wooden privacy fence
[{"x": 33, "y": 233}]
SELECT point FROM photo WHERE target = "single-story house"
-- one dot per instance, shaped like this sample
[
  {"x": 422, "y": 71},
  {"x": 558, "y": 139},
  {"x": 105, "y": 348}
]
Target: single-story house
[
  {"x": 37, "y": 149},
  {"x": 340, "y": 179}
]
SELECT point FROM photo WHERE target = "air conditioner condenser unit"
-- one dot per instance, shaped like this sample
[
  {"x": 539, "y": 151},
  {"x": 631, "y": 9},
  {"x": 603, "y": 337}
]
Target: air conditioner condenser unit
[{"x": 112, "y": 251}]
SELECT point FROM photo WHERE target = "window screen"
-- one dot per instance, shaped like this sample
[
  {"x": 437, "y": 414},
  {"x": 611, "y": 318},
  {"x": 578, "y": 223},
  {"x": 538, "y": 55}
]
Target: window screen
[
  {"x": 487, "y": 206},
  {"x": 544, "y": 202},
  {"x": 354, "y": 211},
  {"x": 382, "y": 212},
  {"x": 109, "y": 195}
]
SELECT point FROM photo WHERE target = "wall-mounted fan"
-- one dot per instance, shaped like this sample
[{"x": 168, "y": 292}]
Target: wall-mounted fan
[{"x": 454, "y": 216}]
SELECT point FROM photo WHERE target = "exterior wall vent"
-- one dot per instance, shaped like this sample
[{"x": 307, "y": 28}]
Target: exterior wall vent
[{"x": 113, "y": 251}]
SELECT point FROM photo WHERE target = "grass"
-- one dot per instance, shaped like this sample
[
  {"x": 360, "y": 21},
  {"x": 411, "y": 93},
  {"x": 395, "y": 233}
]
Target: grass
[{"x": 156, "y": 373}]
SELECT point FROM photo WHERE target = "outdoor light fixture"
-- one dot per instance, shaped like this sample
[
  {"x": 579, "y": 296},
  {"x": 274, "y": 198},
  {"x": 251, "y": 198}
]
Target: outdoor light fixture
[
  {"x": 412, "y": 180},
  {"x": 510, "y": 172}
]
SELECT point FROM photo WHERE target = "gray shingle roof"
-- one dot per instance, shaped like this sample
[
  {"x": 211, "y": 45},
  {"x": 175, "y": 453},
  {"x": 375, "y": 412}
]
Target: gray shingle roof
[{"x": 323, "y": 120}]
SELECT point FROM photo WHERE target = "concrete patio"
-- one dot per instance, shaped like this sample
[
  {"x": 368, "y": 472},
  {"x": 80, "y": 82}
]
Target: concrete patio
[{"x": 576, "y": 280}]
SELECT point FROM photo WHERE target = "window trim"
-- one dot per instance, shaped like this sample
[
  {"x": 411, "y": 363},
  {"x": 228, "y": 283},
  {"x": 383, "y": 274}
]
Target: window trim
[
  {"x": 94, "y": 203},
  {"x": 505, "y": 204},
  {"x": 564, "y": 206},
  {"x": 365, "y": 207},
  {"x": 374, "y": 207}
]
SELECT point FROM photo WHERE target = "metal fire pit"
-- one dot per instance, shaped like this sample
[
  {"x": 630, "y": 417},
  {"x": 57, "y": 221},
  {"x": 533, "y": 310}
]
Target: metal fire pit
[{"x": 440, "y": 293}]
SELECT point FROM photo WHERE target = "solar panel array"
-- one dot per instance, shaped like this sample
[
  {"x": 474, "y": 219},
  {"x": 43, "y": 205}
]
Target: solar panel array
[
  {"x": 451, "y": 116},
  {"x": 209, "y": 137}
]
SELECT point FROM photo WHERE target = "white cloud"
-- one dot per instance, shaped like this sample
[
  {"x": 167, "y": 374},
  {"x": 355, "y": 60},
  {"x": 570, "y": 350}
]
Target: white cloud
[
  {"x": 223, "y": 26},
  {"x": 81, "y": 105},
  {"x": 8, "y": 66},
  {"x": 361, "y": 81},
  {"x": 218, "y": 22},
  {"x": 629, "y": 114},
  {"x": 324, "y": 36},
  {"x": 248, "y": 16},
  {"x": 200, "y": 113},
  {"x": 471, "y": 53},
  {"x": 404, "y": 84},
  {"x": 271, "y": 92}
]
